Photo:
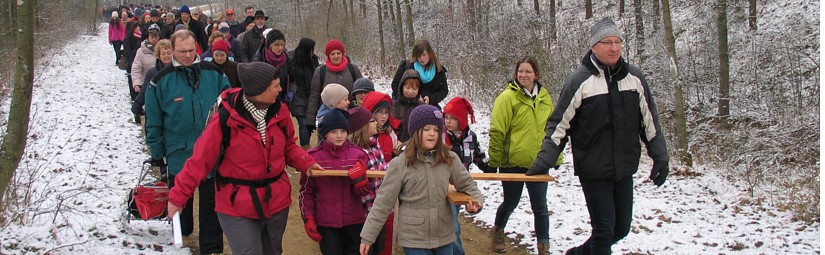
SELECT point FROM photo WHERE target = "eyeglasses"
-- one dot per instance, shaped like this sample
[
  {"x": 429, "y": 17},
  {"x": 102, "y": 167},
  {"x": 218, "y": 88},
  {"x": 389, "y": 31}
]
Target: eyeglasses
[
  {"x": 611, "y": 43},
  {"x": 185, "y": 52}
]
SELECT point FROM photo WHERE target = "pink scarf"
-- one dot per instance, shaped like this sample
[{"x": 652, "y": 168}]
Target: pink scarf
[
  {"x": 275, "y": 60},
  {"x": 337, "y": 68}
]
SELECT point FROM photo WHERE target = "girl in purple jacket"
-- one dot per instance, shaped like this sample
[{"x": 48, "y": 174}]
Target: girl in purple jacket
[{"x": 331, "y": 206}]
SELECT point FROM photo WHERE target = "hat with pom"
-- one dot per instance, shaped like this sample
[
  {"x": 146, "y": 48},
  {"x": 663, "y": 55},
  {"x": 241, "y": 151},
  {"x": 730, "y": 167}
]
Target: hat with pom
[
  {"x": 334, "y": 45},
  {"x": 256, "y": 77},
  {"x": 332, "y": 94},
  {"x": 334, "y": 119},
  {"x": 424, "y": 115},
  {"x": 459, "y": 107}
]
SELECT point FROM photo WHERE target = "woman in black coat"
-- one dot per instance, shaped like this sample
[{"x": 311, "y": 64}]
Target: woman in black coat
[
  {"x": 130, "y": 47},
  {"x": 304, "y": 63},
  {"x": 433, "y": 75}
]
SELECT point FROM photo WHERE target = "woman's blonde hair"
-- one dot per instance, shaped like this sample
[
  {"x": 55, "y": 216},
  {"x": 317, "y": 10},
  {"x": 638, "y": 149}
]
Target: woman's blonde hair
[
  {"x": 361, "y": 137},
  {"x": 214, "y": 35},
  {"x": 162, "y": 45},
  {"x": 415, "y": 151}
]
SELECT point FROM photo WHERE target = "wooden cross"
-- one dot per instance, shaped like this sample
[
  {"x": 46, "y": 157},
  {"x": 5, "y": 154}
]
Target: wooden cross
[{"x": 455, "y": 197}]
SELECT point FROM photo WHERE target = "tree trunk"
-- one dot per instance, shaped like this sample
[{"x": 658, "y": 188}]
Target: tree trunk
[
  {"x": 640, "y": 32},
  {"x": 656, "y": 13},
  {"x": 588, "y": 9},
  {"x": 14, "y": 143},
  {"x": 536, "y": 6},
  {"x": 399, "y": 25},
  {"x": 723, "y": 108},
  {"x": 381, "y": 33},
  {"x": 363, "y": 8},
  {"x": 680, "y": 115},
  {"x": 329, "y": 11},
  {"x": 752, "y": 15},
  {"x": 410, "y": 30},
  {"x": 621, "y": 8},
  {"x": 518, "y": 2},
  {"x": 553, "y": 20}
]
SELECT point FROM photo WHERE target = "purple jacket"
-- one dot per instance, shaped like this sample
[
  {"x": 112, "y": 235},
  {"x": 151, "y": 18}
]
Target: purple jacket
[
  {"x": 117, "y": 32},
  {"x": 333, "y": 200}
]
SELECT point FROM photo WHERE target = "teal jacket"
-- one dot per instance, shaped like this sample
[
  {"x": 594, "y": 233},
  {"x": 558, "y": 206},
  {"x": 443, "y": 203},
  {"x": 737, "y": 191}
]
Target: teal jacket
[
  {"x": 517, "y": 126},
  {"x": 178, "y": 101}
]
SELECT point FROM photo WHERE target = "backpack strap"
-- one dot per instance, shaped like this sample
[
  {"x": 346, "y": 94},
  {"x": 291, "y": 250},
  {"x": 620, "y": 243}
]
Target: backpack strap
[
  {"x": 225, "y": 134},
  {"x": 323, "y": 74}
]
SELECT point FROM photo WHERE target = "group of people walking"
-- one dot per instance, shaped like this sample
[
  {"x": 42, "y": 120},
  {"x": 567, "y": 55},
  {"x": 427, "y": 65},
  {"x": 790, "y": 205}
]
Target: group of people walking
[{"x": 225, "y": 128}]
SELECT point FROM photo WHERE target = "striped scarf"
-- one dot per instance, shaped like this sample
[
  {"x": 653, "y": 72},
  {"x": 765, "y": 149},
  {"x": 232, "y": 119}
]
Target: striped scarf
[{"x": 259, "y": 115}]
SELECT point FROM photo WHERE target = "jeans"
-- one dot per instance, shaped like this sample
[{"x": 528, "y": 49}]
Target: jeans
[
  {"x": 610, "y": 204},
  {"x": 458, "y": 248},
  {"x": 303, "y": 132},
  {"x": 443, "y": 250},
  {"x": 538, "y": 202}
]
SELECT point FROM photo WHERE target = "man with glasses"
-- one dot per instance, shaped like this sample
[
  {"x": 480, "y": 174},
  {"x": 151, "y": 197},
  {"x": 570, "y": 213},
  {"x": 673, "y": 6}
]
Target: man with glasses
[
  {"x": 178, "y": 101},
  {"x": 605, "y": 109}
]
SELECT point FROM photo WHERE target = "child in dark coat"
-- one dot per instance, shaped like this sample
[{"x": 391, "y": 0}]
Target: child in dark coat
[{"x": 409, "y": 97}]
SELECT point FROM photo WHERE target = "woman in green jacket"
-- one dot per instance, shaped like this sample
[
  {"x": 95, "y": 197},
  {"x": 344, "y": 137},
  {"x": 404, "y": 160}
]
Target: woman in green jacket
[{"x": 516, "y": 131}]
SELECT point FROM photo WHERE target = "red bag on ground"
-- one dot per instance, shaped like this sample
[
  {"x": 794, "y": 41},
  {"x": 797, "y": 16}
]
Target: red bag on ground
[{"x": 151, "y": 200}]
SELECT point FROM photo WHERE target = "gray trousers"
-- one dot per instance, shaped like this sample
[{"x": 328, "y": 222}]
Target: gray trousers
[{"x": 254, "y": 237}]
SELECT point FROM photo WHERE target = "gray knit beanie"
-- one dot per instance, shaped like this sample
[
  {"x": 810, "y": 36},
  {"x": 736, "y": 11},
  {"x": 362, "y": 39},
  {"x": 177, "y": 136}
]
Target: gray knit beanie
[
  {"x": 332, "y": 94},
  {"x": 604, "y": 28},
  {"x": 256, "y": 77},
  {"x": 362, "y": 85}
]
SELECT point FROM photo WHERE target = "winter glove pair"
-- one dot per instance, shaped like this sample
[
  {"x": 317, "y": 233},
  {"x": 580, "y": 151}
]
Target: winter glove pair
[
  {"x": 310, "y": 127},
  {"x": 659, "y": 172},
  {"x": 312, "y": 229},
  {"x": 358, "y": 175}
]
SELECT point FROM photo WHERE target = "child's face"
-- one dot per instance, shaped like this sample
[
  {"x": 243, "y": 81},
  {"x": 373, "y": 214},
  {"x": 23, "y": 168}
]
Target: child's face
[
  {"x": 343, "y": 104},
  {"x": 359, "y": 96},
  {"x": 411, "y": 88},
  {"x": 429, "y": 137},
  {"x": 381, "y": 116},
  {"x": 451, "y": 123},
  {"x": 337, "y": 136}
]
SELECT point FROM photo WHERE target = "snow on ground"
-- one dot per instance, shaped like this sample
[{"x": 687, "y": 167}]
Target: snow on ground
[{"x": 85, "y": 153}]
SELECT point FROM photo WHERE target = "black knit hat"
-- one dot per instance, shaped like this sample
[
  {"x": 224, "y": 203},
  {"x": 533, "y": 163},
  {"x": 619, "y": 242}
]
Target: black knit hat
[
  {"x": 273, "y": 36},
  {"x": 334, "y": 119},
  {"x": 256, "y": 77}
]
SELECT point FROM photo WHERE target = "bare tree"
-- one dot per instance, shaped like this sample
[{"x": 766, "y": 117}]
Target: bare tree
[
  {"x": 400, "y": 27},
  {"x": 410, "y": 30},
  {"x": 679, "y": 97},
  {"x": 723, "y": 106},
  {"x": 552, "y": 19},
  {"x": 14, "y": 142},
  {"x": 640, "y": 31},
  {"x": 536, "y": 7},
  {"x": 588, "y": 9},
  {"x": 381, "y": 32},
  {"x": 621, "y": 8},
  {"x": 752, "y": 25}
]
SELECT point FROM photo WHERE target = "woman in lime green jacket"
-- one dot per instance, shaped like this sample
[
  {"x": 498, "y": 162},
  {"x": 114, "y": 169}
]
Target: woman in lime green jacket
[{"x": 517, "y": 129}]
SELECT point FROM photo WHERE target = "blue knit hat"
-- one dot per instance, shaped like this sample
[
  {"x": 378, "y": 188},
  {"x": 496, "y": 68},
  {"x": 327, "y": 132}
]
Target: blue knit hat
[
  {"x": 185, "y": 9},
  {"x": 334, "y": 119}
]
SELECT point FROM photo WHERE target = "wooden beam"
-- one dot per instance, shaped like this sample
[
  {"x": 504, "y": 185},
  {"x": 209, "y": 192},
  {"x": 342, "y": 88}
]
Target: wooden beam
[
  {"x": 476, "y": 176},
  {"x": 455, "y": 197}
]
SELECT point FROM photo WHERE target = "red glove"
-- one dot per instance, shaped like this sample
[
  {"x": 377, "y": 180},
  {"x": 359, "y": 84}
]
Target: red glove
[
  {"x": 312, "y": 230},
  {"x": 358, "y": 175}
]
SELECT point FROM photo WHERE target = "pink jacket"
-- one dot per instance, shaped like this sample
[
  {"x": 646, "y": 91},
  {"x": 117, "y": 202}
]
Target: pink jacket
[
  {"x": 333, "y": 201},
  {"x": 117, "y": 32}
]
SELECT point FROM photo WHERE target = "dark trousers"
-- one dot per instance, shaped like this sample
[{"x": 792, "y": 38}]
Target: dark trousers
[
  {"x": 210, "y": 234},
  {"x": 610, "y": 204},
  {"x": 303, "y": 131},
  {"x": 132, "y": 93},
  {"x": 253, "y": 236},
  {"x": 538, "y": 203},
  {"x": 116, "y": 45},
  {"x": 340, "y": 241}
]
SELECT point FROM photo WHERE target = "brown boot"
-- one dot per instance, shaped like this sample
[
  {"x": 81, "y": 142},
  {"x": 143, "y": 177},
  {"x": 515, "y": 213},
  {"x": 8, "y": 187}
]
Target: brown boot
[
  {"x": 498, "y": 240},
  {"x": 544, "y": 248}
]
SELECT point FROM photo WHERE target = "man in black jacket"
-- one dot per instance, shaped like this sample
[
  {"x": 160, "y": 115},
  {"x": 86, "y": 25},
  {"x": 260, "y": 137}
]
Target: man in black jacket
[
  {"x": 605, "y": 108},
  {"x": 193, "y": 25}
]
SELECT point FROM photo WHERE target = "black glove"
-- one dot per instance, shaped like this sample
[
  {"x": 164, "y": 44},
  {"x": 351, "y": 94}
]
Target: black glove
[
  {"x": 536, "y": 170},
  {"x": 310, "y": 127},
  {"x": 659, "y": 172},
  {"x": 157, "y": 162},
  {"x": 484, "y": 167}
]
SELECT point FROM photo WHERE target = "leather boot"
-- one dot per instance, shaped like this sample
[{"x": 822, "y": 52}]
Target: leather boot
[
  {"x": 498, "y": 240},
  {"x": 544, "y": 248}
]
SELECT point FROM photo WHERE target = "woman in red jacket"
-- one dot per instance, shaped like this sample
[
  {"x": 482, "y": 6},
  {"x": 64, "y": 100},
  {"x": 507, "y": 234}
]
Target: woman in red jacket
[{"x": 252, "y": 195}]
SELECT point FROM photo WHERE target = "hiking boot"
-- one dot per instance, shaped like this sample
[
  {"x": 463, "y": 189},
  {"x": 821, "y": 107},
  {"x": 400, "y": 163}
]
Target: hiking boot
[
  {"x": 544, "y": 248},
  {"x": 498, "y": 240}
]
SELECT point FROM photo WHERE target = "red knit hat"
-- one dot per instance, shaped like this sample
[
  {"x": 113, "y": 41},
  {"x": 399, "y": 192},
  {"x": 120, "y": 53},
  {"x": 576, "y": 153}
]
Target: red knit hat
[
  {"x": 334, "y": 45},
  {"x": 220, "y": 45},
  {"x": 460, "y": 108},
  {"x": 376, "y": 100}
]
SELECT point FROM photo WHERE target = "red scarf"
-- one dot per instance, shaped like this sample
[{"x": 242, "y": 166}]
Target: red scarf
[{"x": 337, "y": 68}]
